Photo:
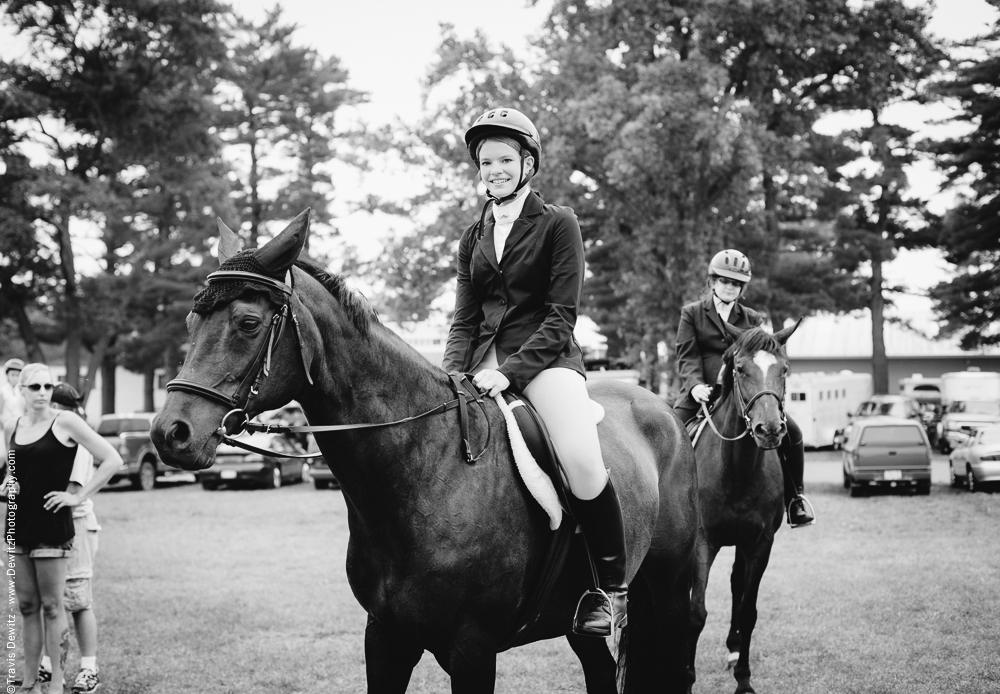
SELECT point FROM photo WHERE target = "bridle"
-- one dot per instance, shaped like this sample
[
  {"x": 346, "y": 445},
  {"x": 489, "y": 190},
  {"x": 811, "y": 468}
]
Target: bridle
[
  {"x": 745, "y": 406},
  {"x": 237, "y": 420}
]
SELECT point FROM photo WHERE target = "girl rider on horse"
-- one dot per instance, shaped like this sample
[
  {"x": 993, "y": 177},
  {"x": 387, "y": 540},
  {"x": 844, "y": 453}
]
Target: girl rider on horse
[
  {"x": 701, "y": 342},
  {"x": 520, "y": 280}
]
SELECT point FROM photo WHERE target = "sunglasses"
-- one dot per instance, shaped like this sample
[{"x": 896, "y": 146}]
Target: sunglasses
[
  {"x": 731, "y": 283},
  {"x": 35, "y": 387}
]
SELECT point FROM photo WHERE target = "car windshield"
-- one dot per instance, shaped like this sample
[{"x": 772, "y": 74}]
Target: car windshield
[
  {"x": 109, "y": 426},
  {"x": 892, "y": 435},
  {"x": 976, "y": 407}
]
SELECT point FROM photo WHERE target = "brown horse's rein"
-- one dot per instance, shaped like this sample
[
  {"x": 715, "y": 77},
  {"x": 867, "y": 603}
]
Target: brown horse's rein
[{"x": 260, "y": 368}]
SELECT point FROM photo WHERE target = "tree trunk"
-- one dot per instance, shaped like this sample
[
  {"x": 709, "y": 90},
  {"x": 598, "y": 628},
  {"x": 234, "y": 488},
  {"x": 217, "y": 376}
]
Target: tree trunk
[
  {"x": 880, "y": 364},
  {"x": 149, "y": 382},
  {"x": 31, "y": 344},
  {"x": 71, "y": 298},
  {"x": 96, "y": 361},
  {"x": 109, "y": 385}
]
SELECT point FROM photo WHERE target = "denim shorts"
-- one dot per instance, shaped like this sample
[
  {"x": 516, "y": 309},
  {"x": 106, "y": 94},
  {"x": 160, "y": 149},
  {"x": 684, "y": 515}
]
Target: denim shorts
[{"x": 45, "y": 551}]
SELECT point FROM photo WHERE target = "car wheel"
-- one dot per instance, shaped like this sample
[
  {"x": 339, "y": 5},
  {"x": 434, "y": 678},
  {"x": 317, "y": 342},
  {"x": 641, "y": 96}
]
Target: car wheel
[
  {"x": 275, "y": 481},
  {"x": 145, "y": 479},
  {"x": 923, "y": 488},
  {"x": 306, "y": 475},
  {"x": 320, "y": 484},
  {"x": 970, "y": 480},
  {"x": 856, "y": 489},
  {"x": 209, "y": 486}
]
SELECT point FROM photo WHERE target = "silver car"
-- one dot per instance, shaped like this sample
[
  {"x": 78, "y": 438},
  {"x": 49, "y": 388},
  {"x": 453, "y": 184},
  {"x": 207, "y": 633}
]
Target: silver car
[{"x": 977, "y": 460}]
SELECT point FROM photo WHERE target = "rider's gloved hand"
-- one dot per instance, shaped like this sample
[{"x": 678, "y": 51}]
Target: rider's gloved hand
[{"x": 701, "y": 393}]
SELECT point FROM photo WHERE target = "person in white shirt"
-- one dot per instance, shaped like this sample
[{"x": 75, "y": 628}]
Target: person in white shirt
[{"x": 11, "y": 400}]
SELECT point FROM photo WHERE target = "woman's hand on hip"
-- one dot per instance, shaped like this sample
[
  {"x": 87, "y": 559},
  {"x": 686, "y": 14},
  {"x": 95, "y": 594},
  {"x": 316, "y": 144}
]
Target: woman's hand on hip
[
  {"x": 57, "y": 500},
  {"x": 491, "y": 382},
  {"x": 701, "y": 392}
]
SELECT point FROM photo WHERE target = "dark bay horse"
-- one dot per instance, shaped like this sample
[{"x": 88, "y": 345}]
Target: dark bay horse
[
  {"x": 740, "y": 483},
  {"x": 442, "y": 551}
]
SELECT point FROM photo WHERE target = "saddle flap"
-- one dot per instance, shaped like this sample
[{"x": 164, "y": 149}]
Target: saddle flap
[{"x": 539, "y": 444}]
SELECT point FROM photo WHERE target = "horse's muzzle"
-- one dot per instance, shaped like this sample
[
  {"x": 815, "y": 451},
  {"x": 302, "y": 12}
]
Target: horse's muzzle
[
  {"x": 173, "y": 438},
  {"x": 768, "y": 436}
]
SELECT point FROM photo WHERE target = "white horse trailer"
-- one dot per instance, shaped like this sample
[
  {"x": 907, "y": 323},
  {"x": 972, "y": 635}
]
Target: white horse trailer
[{"x": 821, "y": 402}]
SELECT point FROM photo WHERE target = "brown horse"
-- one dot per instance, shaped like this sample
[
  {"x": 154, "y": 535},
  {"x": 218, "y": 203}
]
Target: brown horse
[
  {"x": 444, "y": 549},
  {"x": 740, "y": 483}
]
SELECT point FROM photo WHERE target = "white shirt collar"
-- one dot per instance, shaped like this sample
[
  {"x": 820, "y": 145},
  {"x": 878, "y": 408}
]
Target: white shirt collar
[
  {"x": 506, "y": 214},
  {"x": 723, "y": 309}
]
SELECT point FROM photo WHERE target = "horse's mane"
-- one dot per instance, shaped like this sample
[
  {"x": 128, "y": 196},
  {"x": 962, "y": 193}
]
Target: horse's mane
[
  {"x": 358, "y": 309},
  {"x": 752, "y": 340}
]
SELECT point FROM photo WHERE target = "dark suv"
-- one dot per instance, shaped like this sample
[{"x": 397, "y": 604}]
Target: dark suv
[{"x": 129, "y": 434}]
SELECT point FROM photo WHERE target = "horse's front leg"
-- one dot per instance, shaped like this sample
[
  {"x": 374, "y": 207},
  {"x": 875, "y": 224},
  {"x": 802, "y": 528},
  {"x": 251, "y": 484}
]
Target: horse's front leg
[
  {"x": 599, "y": 668},
  {"x": 473, "y": 666},
  {"x": 755, "y": 566},
  {"x": 704, "y": 557},
  {"x": 737, "y": 584},
  {"x": 390, "y": 657}
]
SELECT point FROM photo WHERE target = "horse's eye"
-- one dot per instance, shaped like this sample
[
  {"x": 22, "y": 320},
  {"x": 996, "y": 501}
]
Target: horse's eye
[{"x": 249, "y": 324}]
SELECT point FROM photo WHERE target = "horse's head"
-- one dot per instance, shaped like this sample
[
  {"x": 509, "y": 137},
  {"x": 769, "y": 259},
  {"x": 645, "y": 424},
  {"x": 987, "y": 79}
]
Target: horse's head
[
  {"x": 237, "y": 364},
  {"x": 754, "y": 374}
]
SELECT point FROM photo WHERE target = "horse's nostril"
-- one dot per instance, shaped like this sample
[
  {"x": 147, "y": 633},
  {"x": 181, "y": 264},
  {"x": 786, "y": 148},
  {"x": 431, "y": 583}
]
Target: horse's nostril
[
  {"x": 759, "y": 430},
  {"x": 179, "y": 433},
  {"x": 782, "y": 429}
]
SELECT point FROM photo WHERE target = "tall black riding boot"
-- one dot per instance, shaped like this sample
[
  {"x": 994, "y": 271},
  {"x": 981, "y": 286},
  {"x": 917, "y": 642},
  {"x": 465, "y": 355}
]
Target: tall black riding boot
[
  {"x": 600, "y": 611},
  {"x": 793, "y": 457}
]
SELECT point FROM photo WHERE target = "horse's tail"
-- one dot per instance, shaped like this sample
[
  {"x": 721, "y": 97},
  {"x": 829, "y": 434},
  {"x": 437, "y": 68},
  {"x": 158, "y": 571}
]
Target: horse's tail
[{"x": 653, "y": 648}]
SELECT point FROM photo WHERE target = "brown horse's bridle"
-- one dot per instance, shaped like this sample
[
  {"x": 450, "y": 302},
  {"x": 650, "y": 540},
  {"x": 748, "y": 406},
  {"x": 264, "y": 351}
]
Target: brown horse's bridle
[
  {"x": 260, "y": 369},
  {"x": 745, "y": 406}
]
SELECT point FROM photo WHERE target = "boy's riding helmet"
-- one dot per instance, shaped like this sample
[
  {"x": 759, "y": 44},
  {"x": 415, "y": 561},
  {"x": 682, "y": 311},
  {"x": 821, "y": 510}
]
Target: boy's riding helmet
[
  {"x": 730, "y": 263},
  {"x": 506, "y": 122}
]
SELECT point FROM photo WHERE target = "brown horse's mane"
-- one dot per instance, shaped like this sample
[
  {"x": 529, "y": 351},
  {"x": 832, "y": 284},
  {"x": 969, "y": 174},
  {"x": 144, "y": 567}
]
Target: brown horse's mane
[
  {"x": 752, "y": 340},
  {"x": 357, "y": 307}
]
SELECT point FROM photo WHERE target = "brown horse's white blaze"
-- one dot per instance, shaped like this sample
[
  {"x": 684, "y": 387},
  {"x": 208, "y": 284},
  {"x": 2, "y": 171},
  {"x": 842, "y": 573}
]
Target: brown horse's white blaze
[{"x": 766, "y": 415}]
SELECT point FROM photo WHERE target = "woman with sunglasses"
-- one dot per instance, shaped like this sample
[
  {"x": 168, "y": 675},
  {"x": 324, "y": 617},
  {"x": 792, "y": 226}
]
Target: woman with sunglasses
[
  {"x": 701, "y": 342},
  {"x": 42, "y": 445}
]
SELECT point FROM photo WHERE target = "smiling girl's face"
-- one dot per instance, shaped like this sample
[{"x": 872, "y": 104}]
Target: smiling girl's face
[{"x": 500, "y": 167}]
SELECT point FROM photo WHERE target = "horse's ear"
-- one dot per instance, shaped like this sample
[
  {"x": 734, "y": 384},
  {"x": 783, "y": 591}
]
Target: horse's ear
[
  {"x": 277, "y": 255},
  {"x": 733, "y": 331},
  {"x": 782, "y": 335},
  {"x": 229, "y": 242}
]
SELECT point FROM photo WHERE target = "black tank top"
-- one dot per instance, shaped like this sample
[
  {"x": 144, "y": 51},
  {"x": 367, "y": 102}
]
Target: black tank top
[{"x": 41, "y": 467}]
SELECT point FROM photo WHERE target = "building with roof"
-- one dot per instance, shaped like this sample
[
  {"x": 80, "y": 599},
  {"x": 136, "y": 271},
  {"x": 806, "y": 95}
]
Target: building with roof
[{"x": 831, "y": 343}]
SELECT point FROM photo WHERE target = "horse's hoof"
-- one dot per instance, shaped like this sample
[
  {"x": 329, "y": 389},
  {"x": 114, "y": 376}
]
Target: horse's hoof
[{"x": 731, "y": 660}]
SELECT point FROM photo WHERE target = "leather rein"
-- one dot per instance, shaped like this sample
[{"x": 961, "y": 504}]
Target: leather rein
[
  {"x": 745, "y": 406},
  {"x": 237, "y": 420}
]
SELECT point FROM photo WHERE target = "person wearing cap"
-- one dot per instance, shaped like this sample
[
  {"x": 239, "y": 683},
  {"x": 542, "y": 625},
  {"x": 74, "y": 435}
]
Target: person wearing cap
[
  {"x": 78, "y": 595},
  {"x": 701, "y": 342},
  {"x": 11, "y": 400},
  {"x": 520, "y": 282}
]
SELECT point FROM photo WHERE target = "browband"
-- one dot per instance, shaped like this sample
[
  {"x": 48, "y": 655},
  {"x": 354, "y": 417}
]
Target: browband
[{"x": 223, "y": 275}]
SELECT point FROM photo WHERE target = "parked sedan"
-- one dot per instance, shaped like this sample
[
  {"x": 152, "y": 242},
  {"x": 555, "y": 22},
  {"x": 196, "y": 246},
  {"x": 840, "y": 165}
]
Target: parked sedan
[
  {"x": 887, "y": 452},
  {"x": 236, "y": 467},
  {"x": 977, "y": 461}
]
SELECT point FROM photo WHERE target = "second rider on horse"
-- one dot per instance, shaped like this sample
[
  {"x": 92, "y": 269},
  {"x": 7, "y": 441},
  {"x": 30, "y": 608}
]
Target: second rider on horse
[
  {"x": 701, "y": 342},
  {"x": 520, "y": 281}
]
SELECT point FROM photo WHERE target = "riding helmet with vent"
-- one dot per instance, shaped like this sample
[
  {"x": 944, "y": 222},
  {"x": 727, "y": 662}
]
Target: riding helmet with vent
[
  {"x": 504, "y": 122},
  {"x": 730, "y": 263}
]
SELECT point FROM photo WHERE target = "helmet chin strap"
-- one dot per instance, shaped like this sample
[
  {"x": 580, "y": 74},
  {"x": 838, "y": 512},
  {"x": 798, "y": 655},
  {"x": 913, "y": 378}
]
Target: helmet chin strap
[{"x": 716, "y": 295}]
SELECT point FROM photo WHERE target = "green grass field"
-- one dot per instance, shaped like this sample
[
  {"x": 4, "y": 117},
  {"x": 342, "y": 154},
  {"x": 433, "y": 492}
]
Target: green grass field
[{"x": 245, "y": 591}]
